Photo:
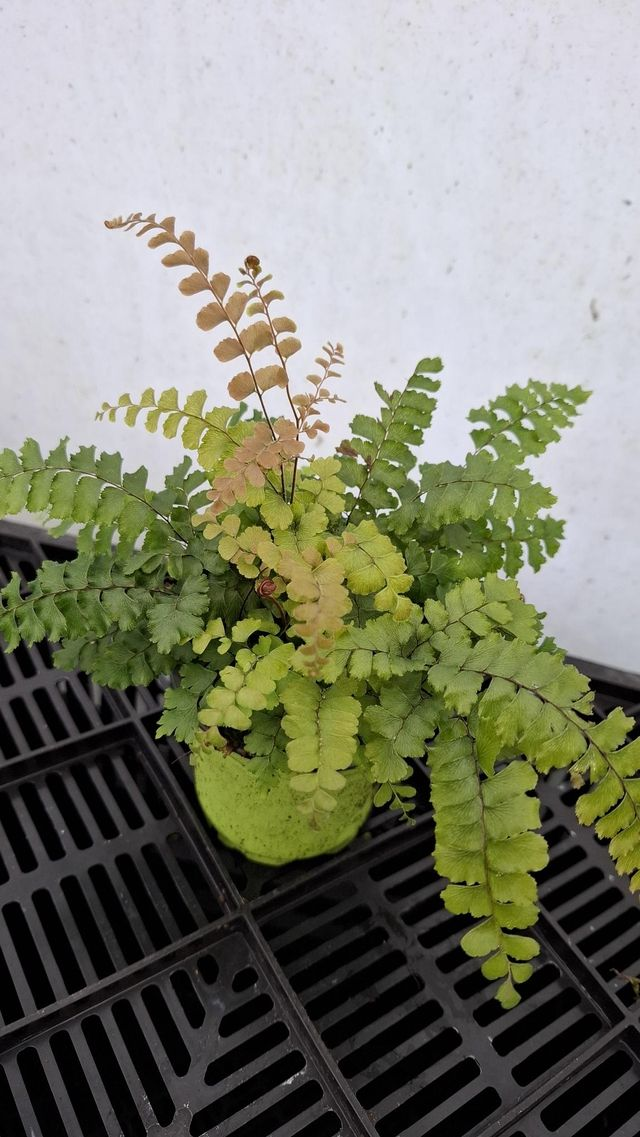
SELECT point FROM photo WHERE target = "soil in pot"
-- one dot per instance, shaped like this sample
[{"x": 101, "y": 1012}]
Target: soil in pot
[{"x": 256, "y": 811}]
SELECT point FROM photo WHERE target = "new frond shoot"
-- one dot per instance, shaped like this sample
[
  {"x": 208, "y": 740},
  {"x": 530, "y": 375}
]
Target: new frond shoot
[{"x": 322, "y": 615}]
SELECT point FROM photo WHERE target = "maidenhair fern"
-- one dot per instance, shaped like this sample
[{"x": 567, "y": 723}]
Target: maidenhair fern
[{"x": 326, "y": 615}]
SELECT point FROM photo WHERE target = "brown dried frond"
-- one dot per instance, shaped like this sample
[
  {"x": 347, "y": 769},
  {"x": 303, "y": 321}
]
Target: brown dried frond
[
  {"x": 221, "y": 308},
  {"x": 281, "y": 327},
  {"x": 307, "y": 405},
  {"x": 320, "y": 599},
  {"x": 260, "y": 453}
]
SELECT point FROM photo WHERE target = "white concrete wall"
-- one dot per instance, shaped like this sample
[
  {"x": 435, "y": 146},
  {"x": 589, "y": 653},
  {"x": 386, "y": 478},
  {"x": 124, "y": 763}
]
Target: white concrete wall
[{"x": 422, "y": 177}]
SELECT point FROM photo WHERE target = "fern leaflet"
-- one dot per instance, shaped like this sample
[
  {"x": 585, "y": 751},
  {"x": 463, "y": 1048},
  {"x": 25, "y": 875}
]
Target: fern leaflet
[
  {"x": 525, "y": 420},
  {"x": 380, "y": 455},
  {"x": 486, "y": 847}
]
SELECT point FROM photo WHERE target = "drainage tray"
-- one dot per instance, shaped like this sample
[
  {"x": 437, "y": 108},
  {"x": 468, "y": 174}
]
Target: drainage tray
[{"x": 155, "y": 984}]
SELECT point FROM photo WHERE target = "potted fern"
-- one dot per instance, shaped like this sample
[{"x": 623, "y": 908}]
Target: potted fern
[{"x": 327, "y": 619}]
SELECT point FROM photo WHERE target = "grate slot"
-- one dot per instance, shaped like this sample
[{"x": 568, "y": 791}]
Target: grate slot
[
  {"x": 41, "y": 828},
  {"x": 18, "y": 854},
  {"x": 190, "y": 871},
  {"x": 128, "y": 947},
  {"x": 94, "y": 805},
  {"x": 432, "y": 1093},
  {"x": 144, "y": 1062},
  {"x": 25, "y": 719},
  {"x": 420, "y": 882},
  {"x": 53, "y": 716},
  {"x": 244, "y": 979},
  {"x": 117, "y": 786},
  {"x": 40, "y": 1095},
  {"x": 595, "y": 910},
  {"x": 554, "y": 1045},
  {"x": 390, "y": 1039},
  {"x": 56, "y": 934},
  {"x": 597, "y": 1104},
  {"x": 142, "y": 902},
  {"x": 246, "y": 1054},
  {"x": 86, "y": 921},
  {"x": 368, "y": 977},
  {"x": 584, "y": 885},
  {"x": 290, "y": 1109},
  {"x": 468, "y": 1116},
  {"x": 286, "y": 926},
  {"x": 335, "y": 961},
  {"x": 326, "y": 1126},
  {"x": 25, "y": 662},
  {"x": 112, "y": 1076},
  {"x": 373, "y": 1010},
  {"x": 262, "y": 1086},
  {"x": 618, "y": 931},
  {"x": 28, "y": 954},
  {"x": 625, "y": 958},
  {"x": 395, "y": 867},
  {"x": 165, "y": 1027},
  {"x": 8, "y": 745},
  {"x": 188, "y": 998},
  {"x": 65, "y": 797},
  {"x": 9, "y": 1110},
  {"x": 313, "y": 942},
  {"x": 77, "y": 1086},
  {"x": 80, "y": 716},
  {"x": 6, "y": 678},
  {"x": 10, "y": 1005},
  {"x": 527, "y": 1025},
  {"x": 170, "y": 891},
  {"x": 245, "y": 1015}
]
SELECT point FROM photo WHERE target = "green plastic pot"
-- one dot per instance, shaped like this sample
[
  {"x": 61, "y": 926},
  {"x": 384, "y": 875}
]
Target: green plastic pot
[{"x": 258, "y": 813}]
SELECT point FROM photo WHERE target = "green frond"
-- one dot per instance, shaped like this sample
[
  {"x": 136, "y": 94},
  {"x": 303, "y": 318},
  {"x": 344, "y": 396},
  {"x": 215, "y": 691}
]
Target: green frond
[
  {"x": 525, "y": 420},
  {"x": 266, "y": 740},
  {"x": 382, "y": 648},
  {"x": 611, "y": 766},
  {"x": 309, "y": 522},
  {"x": 399, "y": 724},
  {"x": 116, "y": 659},
  {"x": 65, "y": 599},
  {"x": 474, "y": 548},
  {"x": 177, "y": 616},
  {"x": 482, "y": 606},
  {"x": 317, "y": 601},
  {"x": 528, "y": 707},
  {"x": 181, "y": 704},
  {"x": 535, "y": 705},
  {"x": 485, "y": 487},
  {"x": 373, "y": 564},
  {"x": 85, "y": 489},
  {"x": 487, "y": 848},
  {"x": 212, "y": 434},
  {"x": 381, "y": 452},
  {"x": 248, "y": 684},
  {"x": 321, "y": 724},
  {"x": 319, "y": 484}
]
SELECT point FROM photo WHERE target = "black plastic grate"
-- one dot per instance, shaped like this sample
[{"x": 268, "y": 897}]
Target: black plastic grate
[
  {"x": 152, "y": 982},
  {"x": 413, "y": 1045},
  {"x": 39, "y": 705},
  {"x": 97, "y": 874},
  {"x": 204, "y": 1046}
]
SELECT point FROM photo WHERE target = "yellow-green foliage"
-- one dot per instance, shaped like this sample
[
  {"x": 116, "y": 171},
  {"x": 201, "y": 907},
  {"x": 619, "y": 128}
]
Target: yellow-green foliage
[{"x": 323, "y": 612}]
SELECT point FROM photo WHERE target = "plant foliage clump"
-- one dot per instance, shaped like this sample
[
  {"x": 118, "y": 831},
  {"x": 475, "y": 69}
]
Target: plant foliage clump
[{"x": 318, "y": 612}]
